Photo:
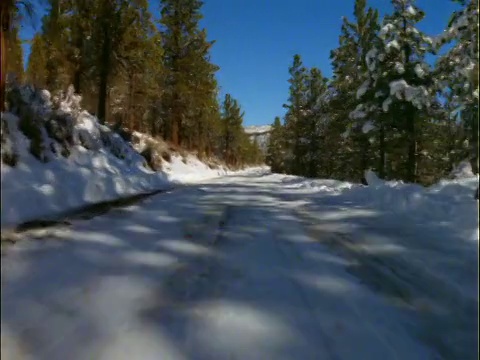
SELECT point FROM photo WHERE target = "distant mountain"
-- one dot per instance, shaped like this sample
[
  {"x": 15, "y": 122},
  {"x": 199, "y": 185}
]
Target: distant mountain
[{"x": 261, "y": 133}]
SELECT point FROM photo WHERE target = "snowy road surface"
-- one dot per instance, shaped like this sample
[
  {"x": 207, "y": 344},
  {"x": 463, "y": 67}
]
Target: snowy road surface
[{"x": 230, "y": 269}]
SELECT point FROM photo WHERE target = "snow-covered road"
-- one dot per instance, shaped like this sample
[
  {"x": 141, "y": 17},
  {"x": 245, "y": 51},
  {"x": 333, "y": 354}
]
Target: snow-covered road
[{"x": 234, "y": 268}]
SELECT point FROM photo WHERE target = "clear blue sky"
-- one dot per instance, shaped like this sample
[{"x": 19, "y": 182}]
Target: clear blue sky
[{"x": 256, "y": 41}]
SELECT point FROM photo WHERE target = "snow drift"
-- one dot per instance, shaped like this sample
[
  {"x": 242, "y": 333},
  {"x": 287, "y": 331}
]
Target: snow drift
[
  {"x": 450, "y": 202},
  {"x": 57, "y": 157},
  {"x": 177, "y": 167}
]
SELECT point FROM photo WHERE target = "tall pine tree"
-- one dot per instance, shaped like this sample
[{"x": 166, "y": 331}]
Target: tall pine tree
[{"x": 189, "y": 97}]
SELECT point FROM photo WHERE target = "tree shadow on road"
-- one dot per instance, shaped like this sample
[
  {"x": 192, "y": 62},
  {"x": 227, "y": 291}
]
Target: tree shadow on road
[{"x": 59, "y": 296}]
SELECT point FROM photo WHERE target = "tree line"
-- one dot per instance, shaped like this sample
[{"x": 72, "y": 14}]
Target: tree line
[
  {"x": 142, "y": 73},
  {"x": 385, "y": 107}
]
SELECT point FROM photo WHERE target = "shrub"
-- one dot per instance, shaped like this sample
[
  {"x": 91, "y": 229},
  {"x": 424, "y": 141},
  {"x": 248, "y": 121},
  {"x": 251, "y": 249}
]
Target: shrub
[
  {"x": 65, "y": 152},
  {"x": 153, "y": 162},
  {"x": 31, "y": 130},
  {"x": 166, "y": 156},
  {"x": 10, "y": 159}
]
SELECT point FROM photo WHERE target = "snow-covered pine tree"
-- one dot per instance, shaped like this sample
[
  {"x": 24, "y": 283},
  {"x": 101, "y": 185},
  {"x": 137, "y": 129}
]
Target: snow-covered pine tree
[
  {"x": 398, "y": 91},
  {"x": 457, "y": 74},
  {"x": 349, "y": 67}
]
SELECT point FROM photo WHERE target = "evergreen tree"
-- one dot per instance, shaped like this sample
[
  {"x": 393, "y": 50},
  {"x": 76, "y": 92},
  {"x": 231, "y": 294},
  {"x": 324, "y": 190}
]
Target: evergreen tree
[
  {"x": 138, "y": 74},
  {"x": 79, "y": 43},
  {"x": 11, "y": 12},
  {"x": 37, "y": 62},
  {"x": 348, "y": 62},
  {"x": 310, "y": 124},
  {"x": 14, "y": 68},
  {"x": 295, "y": 112},
  {"x": 54, "y": 33},
  {"x": 276, "y": 147},
  {"x": 113, "y": 21},
  {"x": 457, "y": 72},
  {"x": 232, "y": 119},
  {"x": 190, "y": 88},
  {"x": 399, "y": 90}
]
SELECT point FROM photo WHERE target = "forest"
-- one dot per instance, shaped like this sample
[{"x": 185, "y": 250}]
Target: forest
[
  {"x": 386, "y": 107},
  {"x": 135, "y": 70}
]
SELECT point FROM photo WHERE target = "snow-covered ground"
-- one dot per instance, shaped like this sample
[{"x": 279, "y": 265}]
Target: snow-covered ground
[
  {"x": 253, "y": 266},
  {"x": 101, "y": 166}
]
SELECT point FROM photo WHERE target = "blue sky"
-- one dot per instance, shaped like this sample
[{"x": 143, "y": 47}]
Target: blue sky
[{"x": 256, "y": 41}]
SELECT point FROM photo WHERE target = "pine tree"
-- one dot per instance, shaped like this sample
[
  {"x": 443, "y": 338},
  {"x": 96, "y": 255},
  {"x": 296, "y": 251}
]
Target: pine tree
[
  {"x": 232, "y": 119},
  {"x": 276, "y": 147},
  {"x": 457, "y": 72},
  {"x": 11, "y": 11},
  {"x": 399, "y": 89},
  {"x": 190, "y": 88},
  {"x": 37, "y": 62},
  {"x": 348, "y": 62},
  {"x": 14, "y": 68},
  {"x": 81, "y": 27},
  {"x": 310, "y": 125},
  {"x": 295, "y": 113},
  {"x": 54, "y": 32},
  {"x": 114, "y": 19},
  {"x": 137, "y": 76}
]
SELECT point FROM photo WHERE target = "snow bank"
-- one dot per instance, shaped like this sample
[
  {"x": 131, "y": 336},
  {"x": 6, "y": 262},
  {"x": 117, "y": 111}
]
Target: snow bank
[
  {"x": 323, "y": 186},
  {"x": 450, "y": 202},
  {"x": 463, "y": 170},
  {"x": 33, "y": 189},
  {"x": 178, "y": 168},
  {"x": 57, "y": 157},
  {"x": 447, "y": 201},
  {"x": 190, "y": 169}
]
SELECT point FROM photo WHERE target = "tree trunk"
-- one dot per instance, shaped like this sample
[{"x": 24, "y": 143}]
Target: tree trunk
[
  {"x": 104, "y": 73},
  {"x": 131, "y": 120},
  {"x": 201, "y": 136},
  {"x": 153, "y": 121},
  {"x": 79, "y": 35},
  {"x": 77, "y": 81},
  {"x": 175, "y": 121},
  {"x": 474, "y": 140},
  {"x": 381, "y": 165},
  {"x": 410, "y": 116},
  {"x": 364, "y": 155},
  {"x": 412, "y": 147},
  {"x": 4, "y": 31}
]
